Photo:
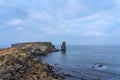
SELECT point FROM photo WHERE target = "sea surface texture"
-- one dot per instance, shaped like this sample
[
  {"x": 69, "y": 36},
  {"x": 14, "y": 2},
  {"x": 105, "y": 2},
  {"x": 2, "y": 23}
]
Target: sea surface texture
[{"x": 87, "y": 62}]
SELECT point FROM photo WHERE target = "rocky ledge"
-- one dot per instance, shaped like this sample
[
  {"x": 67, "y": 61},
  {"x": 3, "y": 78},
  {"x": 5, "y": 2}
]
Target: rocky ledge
[
  {"x": 36, "y": 47},
  {"x": 16, "y": 63}
]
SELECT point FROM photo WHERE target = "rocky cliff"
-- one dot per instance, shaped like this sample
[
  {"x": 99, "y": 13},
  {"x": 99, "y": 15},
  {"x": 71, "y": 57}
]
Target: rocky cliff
[
  {"x": 15, "y": 64},
  {"x": 36, "y": 47}
]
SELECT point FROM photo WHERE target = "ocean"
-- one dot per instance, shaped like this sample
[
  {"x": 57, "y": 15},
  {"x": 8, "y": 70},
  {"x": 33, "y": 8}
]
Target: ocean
[{"x": 87, "y": 62}]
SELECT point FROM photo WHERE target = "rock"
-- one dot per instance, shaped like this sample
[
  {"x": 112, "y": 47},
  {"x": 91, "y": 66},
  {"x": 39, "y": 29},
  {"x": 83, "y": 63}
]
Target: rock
[
  {"x": 1, "y": 63},
  {"x": 63, "y": 46},
  {"x": 16, "y": 64},
  {"x": 56, "y": 50},
  {"x": 67, "y": 75},
  {"x": 36, "y": 47},
  {"x": 6, "y": 76},
  {"x": 100, "y": 65},
  {"x": 98, "y": 79},
  {"x": 56, "y": 64}
]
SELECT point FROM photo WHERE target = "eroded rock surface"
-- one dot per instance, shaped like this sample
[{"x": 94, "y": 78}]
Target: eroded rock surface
[
  {"x": 36, "y": 47},
  {"x": 16, "y": 64}
]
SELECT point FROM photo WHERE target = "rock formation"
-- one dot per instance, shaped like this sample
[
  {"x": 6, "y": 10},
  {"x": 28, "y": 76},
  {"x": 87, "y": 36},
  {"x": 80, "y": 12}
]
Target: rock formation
[
  {"x": 36, "y": 47},
  {"x": 63, "y": 46},
  {"x": 16, "y": 64}
]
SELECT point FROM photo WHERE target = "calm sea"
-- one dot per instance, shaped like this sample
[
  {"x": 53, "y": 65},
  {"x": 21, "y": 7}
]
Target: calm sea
[{"x": 87, "y": 62}]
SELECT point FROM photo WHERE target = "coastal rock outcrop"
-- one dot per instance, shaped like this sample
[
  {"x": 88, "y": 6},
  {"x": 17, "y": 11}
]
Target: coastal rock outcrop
[
  {"x": 36, "y": 47},
  {"x": 100, "y": 66},
  {"x": 18, "y": 63},
  {"x": 63, "y": 46},
  {"x": 15, "y": 64}
]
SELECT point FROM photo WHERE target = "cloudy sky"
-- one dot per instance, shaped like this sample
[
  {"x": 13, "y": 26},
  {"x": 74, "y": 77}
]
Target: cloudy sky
[{"x": 81, "y": 22}]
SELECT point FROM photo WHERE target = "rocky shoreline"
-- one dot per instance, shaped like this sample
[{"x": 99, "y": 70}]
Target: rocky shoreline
[{"x": 17, "y": 63}]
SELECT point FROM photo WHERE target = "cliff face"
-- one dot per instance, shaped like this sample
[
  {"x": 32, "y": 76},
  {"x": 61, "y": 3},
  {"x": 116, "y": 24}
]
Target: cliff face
[
  {"x": 36, "y": 47},
  {"x": 17, "y": 63}
]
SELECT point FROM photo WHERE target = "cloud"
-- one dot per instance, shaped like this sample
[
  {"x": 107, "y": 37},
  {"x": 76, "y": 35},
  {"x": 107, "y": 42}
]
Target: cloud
[
  {"x": 61, "y": 9},
  {"x": 117, "y": 2},
  {"x": 79, "y": 18},
  {"x": 19, "y": 28},
  {"x": 73, "y": 7},
  {"x": 95, "y": 34},
  {"x": 39, "y": 15},
  {"x": 95, "y": 24},
  {"x": 14, "y": 22}
]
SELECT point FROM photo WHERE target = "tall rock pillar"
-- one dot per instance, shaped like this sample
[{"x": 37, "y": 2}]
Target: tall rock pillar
[{"x": 63, "y": 46}]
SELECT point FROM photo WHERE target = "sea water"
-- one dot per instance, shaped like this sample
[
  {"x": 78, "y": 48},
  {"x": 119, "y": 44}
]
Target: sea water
[{"x": 87, "y": 62}]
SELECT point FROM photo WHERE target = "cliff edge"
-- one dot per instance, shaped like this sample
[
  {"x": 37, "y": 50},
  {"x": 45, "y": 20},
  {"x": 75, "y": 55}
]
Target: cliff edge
[
  {"x": 17, "y": 63},
  {"x": 36, "y": 47}
]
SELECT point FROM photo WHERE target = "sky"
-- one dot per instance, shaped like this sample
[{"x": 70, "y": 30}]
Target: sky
[{"x": 78, "y": 22}]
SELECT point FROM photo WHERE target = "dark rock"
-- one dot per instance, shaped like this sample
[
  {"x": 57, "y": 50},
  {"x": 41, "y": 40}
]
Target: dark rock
[
  {"x": 56, "y": 50},
  {"x": 67, "y": 75},
  {"x": 100, "y": 65},
  {"x": 57, "y": 64},
  {"x": 83, "y": 79},
  {"x": 63, "y": 46},
  {"x": 6, "y": 76},
  {"x": 98, "y": 79}
]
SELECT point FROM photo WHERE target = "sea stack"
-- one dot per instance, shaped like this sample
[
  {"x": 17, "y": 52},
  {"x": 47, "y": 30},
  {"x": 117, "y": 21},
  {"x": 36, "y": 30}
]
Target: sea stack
[{"x": 63, "y": 46}]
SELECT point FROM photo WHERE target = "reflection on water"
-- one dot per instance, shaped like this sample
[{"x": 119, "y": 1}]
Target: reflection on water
[
  {"x": 88, "y": 62},
  {"x": 63, "y": 53}
]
